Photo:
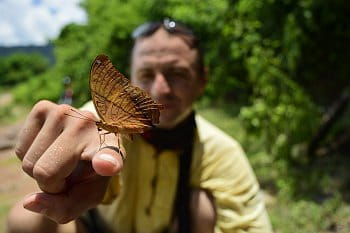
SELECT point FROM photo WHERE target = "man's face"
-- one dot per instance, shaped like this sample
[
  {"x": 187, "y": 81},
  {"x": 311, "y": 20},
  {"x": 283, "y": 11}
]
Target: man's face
[{"x": 165, "y": 67}]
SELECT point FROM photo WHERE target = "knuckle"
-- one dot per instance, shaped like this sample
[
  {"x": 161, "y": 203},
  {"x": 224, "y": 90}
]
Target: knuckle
[
  {"x": 60, "y": 113},
  {"x": 81, "y": 124},
  {"x": 43, "y": 175},
  {"x": 63, "y": 108},
  {"x": 63, "y": 114},
  {"x": 89, "y": 114},
  {"x": 41, "y": 108},
  {"x": 27, "y": 166},
  {"x": 19, "y": 151}
]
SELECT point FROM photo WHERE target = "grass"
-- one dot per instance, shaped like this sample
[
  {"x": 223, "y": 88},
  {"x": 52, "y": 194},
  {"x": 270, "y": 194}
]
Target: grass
[
  {"x": 4, "y": 208},
  {"x": 6, "y": 198},
  {"x": 9, "y": 161},
  {"x": 315, "y": 204},
  {"x": 10, "y": 112}
]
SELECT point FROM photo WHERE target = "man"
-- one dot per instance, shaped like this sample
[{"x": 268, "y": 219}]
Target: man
[{"x": 183, "y": 176}]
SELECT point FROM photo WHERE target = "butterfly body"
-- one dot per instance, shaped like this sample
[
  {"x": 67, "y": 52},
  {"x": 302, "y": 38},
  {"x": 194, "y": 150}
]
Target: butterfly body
[{"x": 122, "y": 108}]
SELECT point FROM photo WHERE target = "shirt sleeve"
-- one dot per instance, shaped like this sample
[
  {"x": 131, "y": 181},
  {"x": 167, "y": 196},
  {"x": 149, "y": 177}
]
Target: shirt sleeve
[{"x": 221, "y": 167}]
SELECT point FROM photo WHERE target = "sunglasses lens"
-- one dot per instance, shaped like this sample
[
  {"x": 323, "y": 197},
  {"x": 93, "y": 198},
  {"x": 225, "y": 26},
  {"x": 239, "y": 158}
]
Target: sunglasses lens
[
  {"x": 171, "y": 26},
  {"x": 145, "y": 29}
]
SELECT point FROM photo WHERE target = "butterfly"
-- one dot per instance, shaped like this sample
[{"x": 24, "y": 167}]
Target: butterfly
[{"x": 122, "y": 108}]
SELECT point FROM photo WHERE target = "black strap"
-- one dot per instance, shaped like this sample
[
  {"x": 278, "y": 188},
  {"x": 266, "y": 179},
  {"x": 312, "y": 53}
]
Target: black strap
[
  {"x": 94, "y": 223},
  {"x": 182, "y": 202}
]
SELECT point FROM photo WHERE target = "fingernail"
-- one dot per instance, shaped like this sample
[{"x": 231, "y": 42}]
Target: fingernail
[{"x": 109, "y": 158}]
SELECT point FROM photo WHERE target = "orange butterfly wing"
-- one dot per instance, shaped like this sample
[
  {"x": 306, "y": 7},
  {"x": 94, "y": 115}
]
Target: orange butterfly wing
[{"x": 122, "y": 107}]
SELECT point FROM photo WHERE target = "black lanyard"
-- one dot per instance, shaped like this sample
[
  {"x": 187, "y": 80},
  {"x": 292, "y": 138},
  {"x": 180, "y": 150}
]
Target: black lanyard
[{"x": 182, "y": 201}]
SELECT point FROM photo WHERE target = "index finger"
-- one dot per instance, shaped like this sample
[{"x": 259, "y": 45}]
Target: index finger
[
  {"x": 56, "y": 164},
  {"x": 32, "y": 127},
  {"x": 62, "y": 156}
]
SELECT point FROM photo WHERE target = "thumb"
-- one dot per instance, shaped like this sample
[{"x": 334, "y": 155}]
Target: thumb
[
  {"x": 66, "y": 206},
  {"x": 108, "y": 161}
]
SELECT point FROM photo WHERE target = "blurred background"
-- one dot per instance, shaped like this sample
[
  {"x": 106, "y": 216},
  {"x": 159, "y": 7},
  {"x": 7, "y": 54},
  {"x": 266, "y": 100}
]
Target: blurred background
[{"x": 278, "y": 82}]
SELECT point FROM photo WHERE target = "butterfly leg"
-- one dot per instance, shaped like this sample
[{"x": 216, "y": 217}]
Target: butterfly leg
[
  {"x": 102, "y": 137},
  {"x": 118, "y": 139}
]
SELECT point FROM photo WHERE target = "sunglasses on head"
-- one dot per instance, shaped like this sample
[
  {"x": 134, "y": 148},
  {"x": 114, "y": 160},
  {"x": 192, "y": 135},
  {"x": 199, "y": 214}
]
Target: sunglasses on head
[{"x": 171, "y": 26}]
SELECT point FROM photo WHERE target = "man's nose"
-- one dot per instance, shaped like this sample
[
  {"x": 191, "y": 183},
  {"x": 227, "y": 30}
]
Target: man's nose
[{"x": 161, "y": 84}]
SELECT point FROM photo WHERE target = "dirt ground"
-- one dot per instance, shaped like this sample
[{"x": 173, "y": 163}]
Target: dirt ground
[{"x": 14, "y": 183}]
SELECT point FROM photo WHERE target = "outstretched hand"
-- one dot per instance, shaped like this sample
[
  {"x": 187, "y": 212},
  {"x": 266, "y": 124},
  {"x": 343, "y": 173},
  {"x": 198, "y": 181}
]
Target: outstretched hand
[{"x": 62, "y": 154}]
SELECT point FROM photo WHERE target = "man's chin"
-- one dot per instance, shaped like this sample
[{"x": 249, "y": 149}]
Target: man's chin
[
  {"x": 166, "y": 124},
  {"x": 169, "y": 121}
]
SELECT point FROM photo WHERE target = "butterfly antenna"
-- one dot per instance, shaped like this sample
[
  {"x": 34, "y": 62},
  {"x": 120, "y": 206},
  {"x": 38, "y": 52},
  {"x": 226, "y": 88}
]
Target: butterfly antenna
[{"x": 83, "y": 117}]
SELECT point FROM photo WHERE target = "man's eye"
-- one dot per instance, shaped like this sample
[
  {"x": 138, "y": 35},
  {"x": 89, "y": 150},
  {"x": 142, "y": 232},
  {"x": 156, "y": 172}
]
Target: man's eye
[
  {"x": 176, "y": 74},
  {"x": 146, "y": 76}
]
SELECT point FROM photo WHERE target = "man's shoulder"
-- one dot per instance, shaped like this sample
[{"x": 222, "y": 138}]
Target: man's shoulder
[
  {"x": 215, "y": 152},
  {"x": 88, "y": 106},
  {"x": 214, "y": 144},
  {"x": 209, "y": 133}
]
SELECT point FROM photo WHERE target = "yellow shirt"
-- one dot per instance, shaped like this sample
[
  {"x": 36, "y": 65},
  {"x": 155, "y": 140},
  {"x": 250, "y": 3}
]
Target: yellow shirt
[{"x": 218, "y": 165}]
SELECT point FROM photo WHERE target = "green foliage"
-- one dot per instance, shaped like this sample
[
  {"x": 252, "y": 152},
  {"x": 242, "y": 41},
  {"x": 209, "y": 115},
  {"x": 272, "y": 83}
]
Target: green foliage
[
  {"x": 20, "y": 67},
  {"x": 44, "y": 86},
  {"x": 281, "y": 113},
  {"x": 309, "y": 216},
  {"x": 10, "y": 112},
  {"x": 273, "y": 58}
]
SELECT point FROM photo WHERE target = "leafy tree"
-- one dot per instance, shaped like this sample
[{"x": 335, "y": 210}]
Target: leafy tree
[{"x": 20, "y": 67}]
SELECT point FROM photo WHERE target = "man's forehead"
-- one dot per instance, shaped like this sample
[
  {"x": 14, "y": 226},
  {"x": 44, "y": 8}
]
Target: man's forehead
[
  {"x": 160, "y": 51},
  {"x": 162, "y": 43}
]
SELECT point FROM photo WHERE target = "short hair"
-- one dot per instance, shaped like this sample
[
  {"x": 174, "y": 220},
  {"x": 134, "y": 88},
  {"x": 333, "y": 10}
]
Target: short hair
[{"x": 176, "y": 28}]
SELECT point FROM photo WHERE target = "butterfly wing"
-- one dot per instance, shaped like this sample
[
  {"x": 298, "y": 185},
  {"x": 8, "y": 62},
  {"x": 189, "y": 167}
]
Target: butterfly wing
[{"x": 119, "y": 104}]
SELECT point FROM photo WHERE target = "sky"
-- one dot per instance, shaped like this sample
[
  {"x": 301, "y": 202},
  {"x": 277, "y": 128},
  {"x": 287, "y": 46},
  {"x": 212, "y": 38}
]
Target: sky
[{"x": 35, "y": 22}]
